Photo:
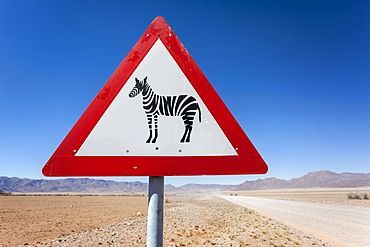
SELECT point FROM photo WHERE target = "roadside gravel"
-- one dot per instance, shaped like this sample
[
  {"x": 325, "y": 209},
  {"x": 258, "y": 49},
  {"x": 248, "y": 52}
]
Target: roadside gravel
[{"x": 204, "y": 221}]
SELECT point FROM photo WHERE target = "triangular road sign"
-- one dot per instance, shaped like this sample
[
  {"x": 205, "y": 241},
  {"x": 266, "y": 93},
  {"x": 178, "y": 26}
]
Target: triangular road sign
[{"x": 157, "y": 115}]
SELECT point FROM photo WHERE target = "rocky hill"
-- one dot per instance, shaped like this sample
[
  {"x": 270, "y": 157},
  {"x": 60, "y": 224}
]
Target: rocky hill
[
  {"x": 83, "y": 185},
  {"x": 87, "y": 185},
  {"x": 323, "y": 179},
  {"x": 2, "y": 193}
]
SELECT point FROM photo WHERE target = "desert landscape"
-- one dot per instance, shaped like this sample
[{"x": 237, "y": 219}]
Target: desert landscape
[
  {"x": 202, "y": 220},
  {"x": 195, "y": 214}
]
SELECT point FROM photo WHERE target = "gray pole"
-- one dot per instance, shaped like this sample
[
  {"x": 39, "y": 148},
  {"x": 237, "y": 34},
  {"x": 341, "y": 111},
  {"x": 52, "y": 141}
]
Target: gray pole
[{"x": 154, "y": 236}]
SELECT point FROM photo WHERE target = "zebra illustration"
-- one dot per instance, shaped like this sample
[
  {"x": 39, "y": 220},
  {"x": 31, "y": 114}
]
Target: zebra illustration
[{"x": 184, "y": 106}]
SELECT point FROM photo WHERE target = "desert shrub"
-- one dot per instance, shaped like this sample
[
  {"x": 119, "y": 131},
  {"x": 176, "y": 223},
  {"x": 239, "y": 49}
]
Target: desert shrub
[
  {"x": 353, "y": 196},
  {"x": 365, "y": 196}
]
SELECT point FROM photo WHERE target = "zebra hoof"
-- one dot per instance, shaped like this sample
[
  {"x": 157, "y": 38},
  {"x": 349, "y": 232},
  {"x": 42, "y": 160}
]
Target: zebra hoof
[{"x": 185, "y": 141}]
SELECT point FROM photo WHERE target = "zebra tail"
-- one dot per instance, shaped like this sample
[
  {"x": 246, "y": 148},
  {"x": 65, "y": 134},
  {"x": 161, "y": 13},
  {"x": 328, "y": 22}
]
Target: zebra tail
[{"x": 200, "y": 114}]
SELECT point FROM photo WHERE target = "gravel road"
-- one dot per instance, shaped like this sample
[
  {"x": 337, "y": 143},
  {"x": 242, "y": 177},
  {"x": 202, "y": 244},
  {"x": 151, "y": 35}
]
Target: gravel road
[{"x": 338, "y": 224}]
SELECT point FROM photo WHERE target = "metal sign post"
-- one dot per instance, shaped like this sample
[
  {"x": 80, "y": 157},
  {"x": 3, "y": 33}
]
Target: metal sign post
[{"x": 155, "y": 212}]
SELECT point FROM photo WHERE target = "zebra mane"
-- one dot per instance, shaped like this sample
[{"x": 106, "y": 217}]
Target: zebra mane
[{"x": 146, "y": 86}]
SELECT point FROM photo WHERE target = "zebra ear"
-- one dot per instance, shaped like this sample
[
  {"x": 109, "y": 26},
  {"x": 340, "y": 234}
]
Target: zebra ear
[
  {"x": 137, "y": 80},
  {"x": 145, "y": 78}
]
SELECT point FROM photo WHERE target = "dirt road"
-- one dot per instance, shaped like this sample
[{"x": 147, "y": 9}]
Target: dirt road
[{"x": 338, "y": 224}]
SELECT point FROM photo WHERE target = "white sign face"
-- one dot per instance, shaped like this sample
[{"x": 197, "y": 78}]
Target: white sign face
[{"x": 183, "y": 124}]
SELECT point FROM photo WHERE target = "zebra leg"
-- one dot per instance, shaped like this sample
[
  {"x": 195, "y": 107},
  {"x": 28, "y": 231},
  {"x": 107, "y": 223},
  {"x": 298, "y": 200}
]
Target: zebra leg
[
  {"x": 150, "y": 126},
  {"x": 188, "y": 122},
  {"x": 190, "y": 128},
  {"x": 186, "y": 136},
  {"x": 155, "y": 129}
]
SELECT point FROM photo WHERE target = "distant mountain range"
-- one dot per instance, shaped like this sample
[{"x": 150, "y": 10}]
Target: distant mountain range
[
  {"x": 321, "y": 179},
  {"x": 86, "y": 185}
]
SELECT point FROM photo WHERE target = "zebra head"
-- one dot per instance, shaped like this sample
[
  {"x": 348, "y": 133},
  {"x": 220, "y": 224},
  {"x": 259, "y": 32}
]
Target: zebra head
[{"x": 138, "y": 88}]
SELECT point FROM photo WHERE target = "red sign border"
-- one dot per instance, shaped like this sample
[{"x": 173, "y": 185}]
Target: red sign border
[{"x": 64, "y": 162}]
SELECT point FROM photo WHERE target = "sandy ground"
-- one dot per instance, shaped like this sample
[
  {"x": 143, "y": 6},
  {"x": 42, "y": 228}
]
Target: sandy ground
[
  {"x": 121, "y": 221},
  {"x": 28, "y": 219}
]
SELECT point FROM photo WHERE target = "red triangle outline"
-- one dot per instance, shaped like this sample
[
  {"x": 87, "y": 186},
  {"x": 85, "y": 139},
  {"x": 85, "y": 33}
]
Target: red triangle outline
[{"x": 64, "y": 162}]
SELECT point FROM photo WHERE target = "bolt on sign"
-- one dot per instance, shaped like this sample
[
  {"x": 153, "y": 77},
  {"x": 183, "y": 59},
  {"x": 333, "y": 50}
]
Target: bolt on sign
[{"x": 157, "y": 115}]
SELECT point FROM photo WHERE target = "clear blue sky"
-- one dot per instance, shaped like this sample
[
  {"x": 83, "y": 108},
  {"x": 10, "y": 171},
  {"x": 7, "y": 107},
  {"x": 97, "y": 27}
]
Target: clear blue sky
[{"x": 295, "y": 74}]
